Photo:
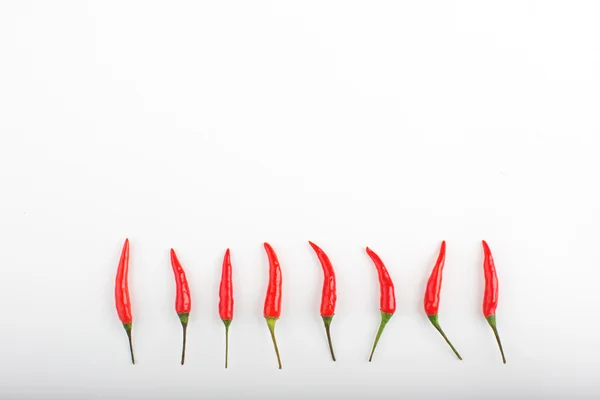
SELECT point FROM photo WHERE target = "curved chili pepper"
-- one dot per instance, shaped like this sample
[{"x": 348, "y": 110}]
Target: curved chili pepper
[
  {"x": 329, "y": 296},
  {"x": 387, "y": 300},
  {"x": 183, "y": 299},
  {"x": 122, "y": 300},
  {"x": 272, "y": 309},
  {"x": 490, "y": 297},
  {"x": 226, "y": 300},
  {"x": 432, "y": 295}
]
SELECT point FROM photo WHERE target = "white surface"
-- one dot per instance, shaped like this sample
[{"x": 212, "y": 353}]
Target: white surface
[{"x": 202, "y": 126}]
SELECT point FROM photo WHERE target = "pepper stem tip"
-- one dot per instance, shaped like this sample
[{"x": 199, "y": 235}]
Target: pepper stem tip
[
  {"x": 434, "y": 321},
  {"x": 327, "y": 322},
  {"x": 271, "y": 323},
  {"x": 491, "y": 319},
  {"x": 226, "y": 322},
  {"x": 127, "y": 326},
  {"x": 184, "y": 318},
  {"x": 385, "y": 317}
]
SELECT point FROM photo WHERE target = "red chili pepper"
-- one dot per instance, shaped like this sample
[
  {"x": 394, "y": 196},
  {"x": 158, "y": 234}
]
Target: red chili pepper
[
  {"x": 122, "y": 294},
  {"x": 226, "y": 300},
  {"x": 432, "y": 295},
  {"x": 387, "y": 300},
  {"x": 183, "y": 299},
  {"x": 490, "y": 297},
  {"x": 272, "y": 309},
  {"x": 329, "y": 296}
]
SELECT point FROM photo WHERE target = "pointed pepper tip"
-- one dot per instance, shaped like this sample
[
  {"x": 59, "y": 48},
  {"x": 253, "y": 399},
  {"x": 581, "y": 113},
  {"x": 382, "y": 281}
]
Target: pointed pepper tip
[{"x": 486, "y": 248}]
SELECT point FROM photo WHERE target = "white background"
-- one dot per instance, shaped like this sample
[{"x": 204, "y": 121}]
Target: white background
[{"x": 207, "y": 125}]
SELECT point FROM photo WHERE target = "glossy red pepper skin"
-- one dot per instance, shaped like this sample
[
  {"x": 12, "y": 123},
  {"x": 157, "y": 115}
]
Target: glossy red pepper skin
[
  {"x": 329, "y": 294},
  {"x": 122, "y": 301},
  {"x": 434, "y": 284},
  {"x": 432, "y": 295},
  {"x": 226, "y": 299},
  {"x": 272, "y": 309},
  {"x": 490, "y": 296},
  {"x": 387, "y": 301},
  {"x": 183, "y": 298}
]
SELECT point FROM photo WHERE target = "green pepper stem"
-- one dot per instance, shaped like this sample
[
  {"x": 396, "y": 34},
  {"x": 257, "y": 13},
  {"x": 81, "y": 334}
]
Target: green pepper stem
[
  {"x": 435, "y": 323},
  {"x": 184, "y": 317},
  {"x": 184, "y": 342},
  {"x": 385, "y": 317},
  {"x": 227, "y": 322},
  {"x": 271, "y": 323},
  {"x": 327, "y": 322},
  {"x": 491, "y": 319},
  {"x": 127, "y": 327}
]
